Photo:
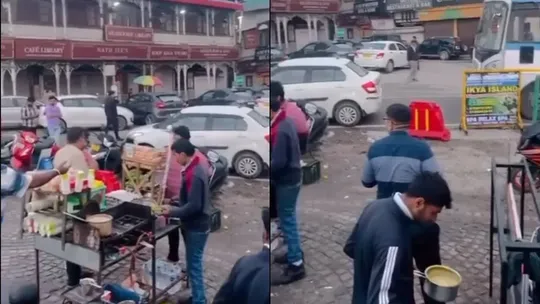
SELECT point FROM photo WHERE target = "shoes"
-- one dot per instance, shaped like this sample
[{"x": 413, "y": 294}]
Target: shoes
[
  {"x": 84, "y": 275},
  {"x": 288, "y": 274},
  {"x": 282, "y": 258},
  {"x": 187, "y": 301}
]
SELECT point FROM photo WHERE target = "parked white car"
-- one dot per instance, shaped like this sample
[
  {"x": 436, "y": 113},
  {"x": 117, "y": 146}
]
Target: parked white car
[
  {"x": 385, "y": 55},
  {"x": 86, "y": 111},
  {"x": 345, "y": 90},
  {"x": 236, "y": 132}
]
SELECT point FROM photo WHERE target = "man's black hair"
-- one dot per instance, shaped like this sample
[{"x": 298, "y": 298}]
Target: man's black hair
[
  {"x": 76, "y": 133},
  {"x": 276, "y": 90},
  {"x": 183, "y": 145},
  {"x": 182, "y": 131},
  {"x": 30, "y": 99},
  {"x": 433, "y": 188},
  {"x": 110, "y": 93},
  {"x": 265, "y": 215},
  {"x": 52, "y": 97},
  {"x": 399, "y": 113}
]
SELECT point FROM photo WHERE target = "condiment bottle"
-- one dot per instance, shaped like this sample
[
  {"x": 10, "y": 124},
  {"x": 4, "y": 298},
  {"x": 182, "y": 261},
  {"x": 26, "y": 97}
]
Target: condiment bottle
[
  {"x": 79, "y": 179},
  {"x": 65, "y": 187},
  {"x": 91, "y": 177}
]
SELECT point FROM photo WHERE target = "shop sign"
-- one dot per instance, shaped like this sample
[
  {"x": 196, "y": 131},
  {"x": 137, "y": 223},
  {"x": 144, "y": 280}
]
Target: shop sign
[
  {"x": 406, "y": 5},
  {"x": 442, "y": 3},
  {"x": 8, "y": 48},
  {"x": 279, "y": 5},
  {"x": 251, "y": 39},
  {"x": 84, "y": 51},
  {"x": 314, "y": 6},
  {"x": 41, "y": 49},
  {"x": 213, "y": 53},
  {"x": 117, "y": 33},
  {"x": 491, "y": 98},
  {"x": 367, "y": 6},
  {"x": 169, "y": 52}
]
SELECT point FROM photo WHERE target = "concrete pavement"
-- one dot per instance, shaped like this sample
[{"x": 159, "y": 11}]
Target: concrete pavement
[{"x": 329, "y": 209}]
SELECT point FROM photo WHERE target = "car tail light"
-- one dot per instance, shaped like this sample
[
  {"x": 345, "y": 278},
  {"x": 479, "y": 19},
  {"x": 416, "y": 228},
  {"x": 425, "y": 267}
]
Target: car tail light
[
  {"x": 267, "y": 137},
  {"x": 160, "y": 105},
  {"x": 370, "y": 87},
  {"x": 379, "y": 56},
  {"x": 358, "y": 53}
]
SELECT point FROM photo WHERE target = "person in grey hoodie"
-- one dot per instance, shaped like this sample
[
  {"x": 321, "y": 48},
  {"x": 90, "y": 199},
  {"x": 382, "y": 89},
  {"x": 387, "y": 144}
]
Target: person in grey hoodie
[{"x": 413, "y": 56}]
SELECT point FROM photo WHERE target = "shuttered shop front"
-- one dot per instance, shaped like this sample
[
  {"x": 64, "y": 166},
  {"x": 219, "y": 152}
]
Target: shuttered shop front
[
  {"x": 439, "y": 28},
  {"x": 467, "y": 29}
]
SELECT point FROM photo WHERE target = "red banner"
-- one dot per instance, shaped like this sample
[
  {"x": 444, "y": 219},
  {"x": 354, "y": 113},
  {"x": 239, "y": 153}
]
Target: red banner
[
  {"x": 314, "y": 6},
  {"x": 213, "y": 53},
  {"x": 279, "y": 6},
  {"x": 251, "y": 39},
  {"x": 169, "y": 52},
  {"x": 117, "y": 33},
  {"x": 42, "y": 49},
  {"x": 106, "y": 51},
  {"x": 8, "y": 48}
]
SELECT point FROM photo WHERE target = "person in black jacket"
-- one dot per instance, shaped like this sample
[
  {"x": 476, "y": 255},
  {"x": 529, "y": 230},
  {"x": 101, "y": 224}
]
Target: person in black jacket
[
  {"x": 286, "y": 177},
  {"x": 413, "y": 56},
  {"x": 112, "y": 114},
  {"x": 380, "y": 243},
  {"x": 249, "y": 281}
]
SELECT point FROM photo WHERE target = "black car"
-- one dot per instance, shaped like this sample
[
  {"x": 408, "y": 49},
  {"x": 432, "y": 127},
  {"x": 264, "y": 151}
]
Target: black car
[
  {"x": 319, "y": 122},
  {"x": 224, "y": 97},
  {"x": 325, "y": 49},
  {"x": 273, "y": 54},
  {"x": 151, "y": 107},
  {"x": 356, "y": 45},
  {"x": 443, "y": 48},
  {"x": 383, "y": 37}
]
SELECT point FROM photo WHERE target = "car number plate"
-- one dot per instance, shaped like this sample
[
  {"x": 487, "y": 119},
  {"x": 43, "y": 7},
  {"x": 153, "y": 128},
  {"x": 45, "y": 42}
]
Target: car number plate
[
  {"x": 96, "y": 147},
  {"x": 367, "y": 55}
]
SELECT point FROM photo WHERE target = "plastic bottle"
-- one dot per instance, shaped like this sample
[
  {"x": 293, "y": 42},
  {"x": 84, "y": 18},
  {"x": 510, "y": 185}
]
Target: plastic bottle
[
  {"x": 65, "y": 187},
  {"x": 79, "y": 179},
  {"x": 91, "y": 177}
]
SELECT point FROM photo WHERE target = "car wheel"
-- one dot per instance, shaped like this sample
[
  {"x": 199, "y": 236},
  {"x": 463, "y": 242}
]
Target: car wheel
[
  {"x": 389, "y": 66},
  {"x": 63, "y": 126},
  {"x": 149, "y": 119},
  {"x": 248, "y": 165},
  {"x": 122, "y": 123},
  {"x": 444, "y": 55},
  {"x": 348, "y": 114}
]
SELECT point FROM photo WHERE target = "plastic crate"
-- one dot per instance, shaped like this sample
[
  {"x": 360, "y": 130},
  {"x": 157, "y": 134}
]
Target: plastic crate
[{"x": 311, "y": 172}]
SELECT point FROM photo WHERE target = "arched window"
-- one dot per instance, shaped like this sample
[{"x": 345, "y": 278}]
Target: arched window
[
  {"x": 125, "y": 14},
  {"x": 163, "y": 17},
  {"x": 221, "y": 22},
  {"x": 82, "y": 13},
  {"x": 195, "y": 20},
  {"x": 37, "y": 12}
]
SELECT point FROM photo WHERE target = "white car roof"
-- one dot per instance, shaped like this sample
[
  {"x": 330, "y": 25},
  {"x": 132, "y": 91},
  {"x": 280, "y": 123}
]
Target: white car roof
[
  {"x": 314, "y": 61},
  {"x": 76, "y": 96},
  {"x": 232, "y": 110}
]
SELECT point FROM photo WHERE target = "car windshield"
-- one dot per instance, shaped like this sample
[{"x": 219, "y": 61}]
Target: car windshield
[
  {"x": 374, "y": 46},
  {"x": 342, "y": 47},
  {"x": 169, "y": 98},
  {"x": 244, "y": 94},
  {"x": 360, "y": 71},
  {"x": 523, "y": 25},
  {"x": 490, "y": 33},
  {"x": 169, "y": 121},
  {"x": 259, "y": 118}
]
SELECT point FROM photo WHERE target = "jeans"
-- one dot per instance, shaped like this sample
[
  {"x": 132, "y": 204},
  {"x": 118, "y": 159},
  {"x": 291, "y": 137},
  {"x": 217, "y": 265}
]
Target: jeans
[
  {"x": 54, "y": 132},
  {"x": 287, "y": 196},
  {"x": 195, "y": 242}
]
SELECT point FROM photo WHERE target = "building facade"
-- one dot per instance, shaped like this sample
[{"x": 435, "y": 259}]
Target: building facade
[
  {"x": 255, "y": 40},
  {"x": 83, "y": 46},
  {"x": 294, "y": 23}
]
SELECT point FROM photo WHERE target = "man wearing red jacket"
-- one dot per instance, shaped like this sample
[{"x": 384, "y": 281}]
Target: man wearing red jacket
[{"x": 295, "y": 114}]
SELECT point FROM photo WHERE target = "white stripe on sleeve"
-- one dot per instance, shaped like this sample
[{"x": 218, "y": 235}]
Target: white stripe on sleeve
[{"x": 386, "y": 280}]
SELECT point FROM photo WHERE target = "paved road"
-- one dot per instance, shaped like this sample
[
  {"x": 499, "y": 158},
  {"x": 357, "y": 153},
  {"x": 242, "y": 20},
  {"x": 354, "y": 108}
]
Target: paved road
[
  {"x": 329, "y": 209},
  {"x": 241, "y": 233},
  {"x": 439, "y": 81}
]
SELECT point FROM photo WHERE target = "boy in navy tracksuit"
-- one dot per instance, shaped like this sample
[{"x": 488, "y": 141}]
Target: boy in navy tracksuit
[
  {"x": 194, "y": 212},
  {"x": 286, "y": 178}
]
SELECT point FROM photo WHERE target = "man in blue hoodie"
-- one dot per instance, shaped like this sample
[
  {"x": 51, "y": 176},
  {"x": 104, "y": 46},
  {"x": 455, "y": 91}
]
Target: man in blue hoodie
[
  {"x": 194, "y": 212},
  {"x": 286, "y": 177}
]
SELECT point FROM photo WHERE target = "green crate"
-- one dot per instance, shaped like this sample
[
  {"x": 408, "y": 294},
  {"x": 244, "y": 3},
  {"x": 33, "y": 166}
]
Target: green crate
[{"x": 311, "y": 172}]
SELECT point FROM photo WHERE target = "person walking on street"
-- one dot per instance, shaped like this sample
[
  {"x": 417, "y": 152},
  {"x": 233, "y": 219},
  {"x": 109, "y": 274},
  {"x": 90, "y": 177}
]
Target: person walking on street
[
  {"x": 54, "y": 119},
  {"x": 286, "y": 177},
  {"x": 30, "y": 115},
  {"x": 392, "y": 164},
  {"x": 380, "y": 241},
  {"x": 248, "y": 282},
  {"x": 111, "y": 113},
  {"x": 194, "y": 212},
  {"x": 413, "y": 56}
]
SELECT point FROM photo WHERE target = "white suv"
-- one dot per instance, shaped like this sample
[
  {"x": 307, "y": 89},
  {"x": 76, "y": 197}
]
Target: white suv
[{"x": 345, "y": 90}]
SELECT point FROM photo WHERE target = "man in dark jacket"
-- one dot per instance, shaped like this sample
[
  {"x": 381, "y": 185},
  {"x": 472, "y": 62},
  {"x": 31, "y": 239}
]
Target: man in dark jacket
[
  {"x": 111, "y": 113},
  {"x": 249, "y": 281},
  {"x": 413, "y": 56},
  {"x": 380, "y": 242},
  {"x": 286, "y": 177},
  {"x": 194, "y": 212}
]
